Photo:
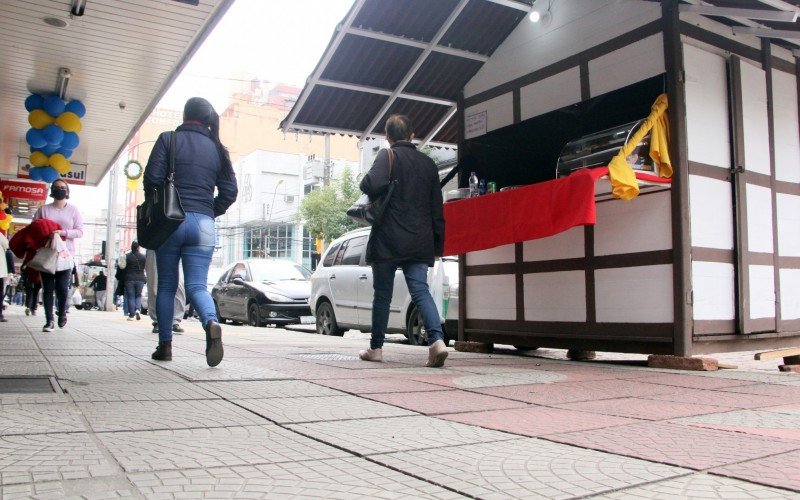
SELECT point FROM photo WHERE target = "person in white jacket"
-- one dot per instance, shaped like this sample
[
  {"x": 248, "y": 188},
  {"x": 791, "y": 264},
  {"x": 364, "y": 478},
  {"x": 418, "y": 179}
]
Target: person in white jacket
[{"x": 4, "y": 272}]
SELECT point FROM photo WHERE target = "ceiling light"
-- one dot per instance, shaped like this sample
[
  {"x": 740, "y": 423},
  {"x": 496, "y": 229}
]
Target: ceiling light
[
  {"x": 56, "y": 22},
  {"x": 541, "y": 15},
  {"x": 765, "y": 32},
  {"x": 788, "y": 16},
  {"x": 535, "y": 16}
]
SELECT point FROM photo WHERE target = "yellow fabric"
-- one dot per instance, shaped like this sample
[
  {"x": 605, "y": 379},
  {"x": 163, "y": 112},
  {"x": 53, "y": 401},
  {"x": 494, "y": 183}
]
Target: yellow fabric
[{"x": 623, "y": 180}]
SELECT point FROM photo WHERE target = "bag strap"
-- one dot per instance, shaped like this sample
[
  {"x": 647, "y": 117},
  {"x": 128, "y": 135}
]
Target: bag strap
[
  {"x": 171, "y": 157},
  {"x": 390, "y": 153}
]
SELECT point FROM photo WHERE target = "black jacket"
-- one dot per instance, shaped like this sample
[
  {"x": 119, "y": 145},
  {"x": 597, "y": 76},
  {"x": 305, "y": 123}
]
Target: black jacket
[
  {"x": 412, "y": 229},
  {"x": 198, "y": 170},
  {"x": 99, "y": 283},
  {"x": 134, "y": 267}
]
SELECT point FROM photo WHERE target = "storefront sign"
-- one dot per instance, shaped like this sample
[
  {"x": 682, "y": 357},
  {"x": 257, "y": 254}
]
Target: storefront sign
[
  {"x": 76, "y": 176},
  {"x": 475, "y": 125},
  {"x": 24, "y": 190}
]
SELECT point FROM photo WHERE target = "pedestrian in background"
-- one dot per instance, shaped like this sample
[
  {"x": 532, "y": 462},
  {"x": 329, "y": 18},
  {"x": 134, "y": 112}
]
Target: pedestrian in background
[
  {"x": 3, "y": 274},
  {"x": 99, "y": 284},
  {"x": 134, "y": 264},
  {"x": 409, "y": 236},
  {"x": 202, "y": 164},
  {"x": 69, "y": 218},
  {"x": 152, "y": 294}
]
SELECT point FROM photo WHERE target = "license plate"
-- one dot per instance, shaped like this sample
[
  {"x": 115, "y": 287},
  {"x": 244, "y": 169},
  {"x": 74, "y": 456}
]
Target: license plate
[{"x": 307, "y": 320}]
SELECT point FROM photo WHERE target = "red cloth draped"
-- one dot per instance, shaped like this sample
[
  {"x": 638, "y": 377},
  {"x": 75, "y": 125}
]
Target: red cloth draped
[{"x": 526, "y": 213}]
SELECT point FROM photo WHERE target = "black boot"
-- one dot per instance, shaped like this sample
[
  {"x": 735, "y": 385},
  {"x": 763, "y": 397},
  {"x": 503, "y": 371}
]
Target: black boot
[
  {"x": 163, "y": 352},
  {"x": 213, "y": 343}
]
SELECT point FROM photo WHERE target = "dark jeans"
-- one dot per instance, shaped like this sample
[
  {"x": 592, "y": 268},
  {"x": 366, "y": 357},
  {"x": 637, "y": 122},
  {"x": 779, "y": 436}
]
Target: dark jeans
[
  {"x": 58, "y": 283},
  {"x": 416, "y": 275},
  {"x": 32, "y": 295},
  {"x": 191, "y": 245},
  {"x": 133, "y": 297}
]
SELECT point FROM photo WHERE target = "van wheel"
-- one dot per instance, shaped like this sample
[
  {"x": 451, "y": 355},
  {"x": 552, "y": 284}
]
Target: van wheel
[
  {"x": 415, "y": 329},
  {"x": 326, "y": 321},
  {"x": 254, "y": 315}
]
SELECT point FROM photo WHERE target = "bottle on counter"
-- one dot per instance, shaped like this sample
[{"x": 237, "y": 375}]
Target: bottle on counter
[
  {"x": 473, "y": 185},
  {"x": 482, "y": 187}
]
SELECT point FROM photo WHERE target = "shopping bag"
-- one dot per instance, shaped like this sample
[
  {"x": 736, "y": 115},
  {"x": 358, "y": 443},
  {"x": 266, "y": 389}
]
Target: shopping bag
[
  {"x": 64, "y": 258},
  {"x": 369, "y": 212},
  {"x": 46, "y": 258}
]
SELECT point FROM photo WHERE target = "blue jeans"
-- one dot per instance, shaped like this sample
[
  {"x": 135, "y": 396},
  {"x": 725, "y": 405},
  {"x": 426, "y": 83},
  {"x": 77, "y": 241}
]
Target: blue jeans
[
  {"x": 416, "y": 275},
  {"x": 133, "y": 297},
  {"x": 192, "y": 245}
]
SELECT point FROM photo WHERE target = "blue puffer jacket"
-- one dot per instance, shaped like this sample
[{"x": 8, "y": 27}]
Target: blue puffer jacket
[{"x": 198, "y": 170}]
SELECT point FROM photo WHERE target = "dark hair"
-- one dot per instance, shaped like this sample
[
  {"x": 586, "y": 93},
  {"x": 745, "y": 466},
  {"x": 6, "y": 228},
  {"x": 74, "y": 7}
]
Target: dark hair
[
  {"x": 200, "y": 110},
  {"x": 398, "y": 128},
  {"x": 134, "y": 245}
]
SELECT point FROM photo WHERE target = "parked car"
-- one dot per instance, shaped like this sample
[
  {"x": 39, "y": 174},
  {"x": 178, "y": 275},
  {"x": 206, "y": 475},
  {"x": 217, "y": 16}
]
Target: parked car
[
  {"x": 263, "y": 291},
  {"x": 341, "y": 293}
]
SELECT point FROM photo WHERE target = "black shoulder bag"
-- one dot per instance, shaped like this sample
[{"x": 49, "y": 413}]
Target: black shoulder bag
[
  {"x": 161, "y": 212},
  {"x": 370, "y": 212}
]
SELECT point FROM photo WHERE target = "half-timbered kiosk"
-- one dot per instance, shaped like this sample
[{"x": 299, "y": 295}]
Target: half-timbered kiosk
[{"x": 707, "y": 263}]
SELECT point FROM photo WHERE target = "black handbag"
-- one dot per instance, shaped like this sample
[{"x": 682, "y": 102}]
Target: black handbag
[
  {"x": 161, "y": 212},
  {"x": 370, "y": 212}
]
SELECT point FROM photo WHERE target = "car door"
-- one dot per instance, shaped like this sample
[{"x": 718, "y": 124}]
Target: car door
[
  {"x": 400, "y": 297},
  {"x": 235, "y": 306},
  {"x": 344, "y": 279}
]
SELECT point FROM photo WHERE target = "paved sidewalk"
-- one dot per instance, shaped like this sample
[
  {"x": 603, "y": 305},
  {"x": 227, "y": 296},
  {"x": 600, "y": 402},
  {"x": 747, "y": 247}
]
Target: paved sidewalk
[{"x": 293, "y": 414}]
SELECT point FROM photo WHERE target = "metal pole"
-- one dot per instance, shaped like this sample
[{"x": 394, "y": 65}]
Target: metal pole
[
  {"x": 326, "y": 180},
  {"x": 111, "y": 234}
]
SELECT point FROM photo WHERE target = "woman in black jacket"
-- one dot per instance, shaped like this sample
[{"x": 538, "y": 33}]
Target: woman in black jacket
[
  {"x": 410, "y": 235},
  {"x": 201, "y": 164}
]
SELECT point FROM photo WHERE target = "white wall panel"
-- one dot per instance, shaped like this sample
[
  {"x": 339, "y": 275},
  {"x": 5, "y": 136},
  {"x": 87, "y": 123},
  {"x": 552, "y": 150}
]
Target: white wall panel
[
  {"x": 762, "y": 292},
  {"x": 631, "y": 64},
  {"x": 557, "y": 296},
  {"x": 711, "y": 206},
  {"x": 491, "y": 297},
  {"x": 759, "y": 219},
  {"x": 788, "y": 225},
  {"x": 787, "y": 134},
  {"x": 577, "y": 25},
  {"x": 499, "y": 111},
  {"x": 790, "y": 293},
  {"x": 566, "y": 245},
  {"x": 496, "y": 255},
  {"x": 714, "y": 287},
  {"x": 639, "y": 225},
  {"x": 551, "y": 93},
  {"x": 707, "y": 121},
  {"x": 634, "y": 294},
  {"x": 754, "y": 119}
]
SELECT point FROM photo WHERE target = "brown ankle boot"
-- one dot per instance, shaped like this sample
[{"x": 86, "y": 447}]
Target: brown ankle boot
[{"x": 163, "y": 352}]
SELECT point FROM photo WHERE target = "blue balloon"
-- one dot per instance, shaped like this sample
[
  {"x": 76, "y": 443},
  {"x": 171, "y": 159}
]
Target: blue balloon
[
  {"x": 34, "y": 101},
  {"x": 35, "y": 173},
  {"x": 35, "y": 138},
  {"x": 54, "y": 105},
  {"x": 53, "y": 134},
  {"x": 64, "y": 151},
  {"x": 70, "y": 140},
  {"x": 50, "y": 149},
  {"x": 77, "y": 107},
  {"x": 49, "y": 174}
]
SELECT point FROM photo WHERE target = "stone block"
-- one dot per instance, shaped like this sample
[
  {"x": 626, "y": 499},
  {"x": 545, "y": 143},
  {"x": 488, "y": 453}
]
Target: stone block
[
  {"x": 464, "y": 346},
  {"x": 789, "y": 368},
  {"x": 682, "y": 363}
]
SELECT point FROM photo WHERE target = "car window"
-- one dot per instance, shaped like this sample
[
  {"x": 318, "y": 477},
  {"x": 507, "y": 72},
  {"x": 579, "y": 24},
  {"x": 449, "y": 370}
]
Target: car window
[
  {"x": 331, "y": 255},
  {"x": 238, "y": 270},
  {"x": 352, "y": 254},
  {"x": 278, "y": 270},
  {"x": 337, "y": 261}
]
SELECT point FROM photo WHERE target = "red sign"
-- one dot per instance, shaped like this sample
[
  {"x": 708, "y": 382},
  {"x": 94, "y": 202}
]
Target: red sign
[{"x": 23, "y": 190}]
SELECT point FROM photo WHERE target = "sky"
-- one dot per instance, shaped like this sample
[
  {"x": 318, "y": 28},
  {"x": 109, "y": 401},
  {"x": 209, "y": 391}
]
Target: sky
[{"x": 275, "y": 40}]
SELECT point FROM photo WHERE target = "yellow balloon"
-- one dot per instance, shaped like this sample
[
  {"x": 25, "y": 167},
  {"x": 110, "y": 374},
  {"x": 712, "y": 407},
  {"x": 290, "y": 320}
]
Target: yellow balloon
[
  {"x": 38, "y": 159},
  {"x": 69, "y": 122},
  {"x": 60, "y": 163},
  {"x": 5, "y": 223},
  {"x": 38, "y": 118}
]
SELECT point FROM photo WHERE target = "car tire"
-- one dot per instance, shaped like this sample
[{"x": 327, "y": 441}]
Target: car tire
[
  {"x": 254, "y": 315},
  {"x": 415, "y": 329},
  {"x": 220, "y": 319},
  {"x": 326, "y": 321}
]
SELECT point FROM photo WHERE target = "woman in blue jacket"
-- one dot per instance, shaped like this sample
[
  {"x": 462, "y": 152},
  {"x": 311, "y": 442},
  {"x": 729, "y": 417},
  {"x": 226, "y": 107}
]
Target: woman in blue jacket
[{"x": 201, "y": 164}]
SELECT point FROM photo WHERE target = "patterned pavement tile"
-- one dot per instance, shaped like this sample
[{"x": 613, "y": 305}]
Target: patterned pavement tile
[
  {"x": 140, "y": 392},
  {"x": 200, "y": 448},
  {"x": 378, "y": 385},
  {"x": 334, "y": 478},
  {"x": 793, "y": 409},
  {"x": 782, "y": 471},
  {"x": 262, "y": 389},
  {"x": 684, "y": 446},
  {"x": 40, "y": 419},
  {"x": 692, "y": 381},
  {"x": 567, "y": 392},
  {"x": 385, "y": 435},
  {"x": 717, "y": 398},
  {"x": 195, "y": 368},
  {"x": 154, "y": 415},
  {"x": 316, "y": 409},
  {"x": 118, "y": 377},
  {"x": 526, "y": 468},
  {"x": 18, "y": 398},
  {"x": 438, "y": 402},
  {"x": 96, "y": 488},
  {"x": 51, "y": 457},
  {"x": 646, "y": 409},
  {"x": 25, "y": 368},
  {"x": 787, "y": 394},
  {"x": 763, "y": 423},
  {"x": 754, "y": 376},
  {"x": 537, "y": 420},
  {"x": 699, "y": 486}
]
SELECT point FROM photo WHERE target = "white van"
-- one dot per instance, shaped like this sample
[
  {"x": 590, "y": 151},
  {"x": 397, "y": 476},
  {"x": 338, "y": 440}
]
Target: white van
[{"x": 341, "y": 293}]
